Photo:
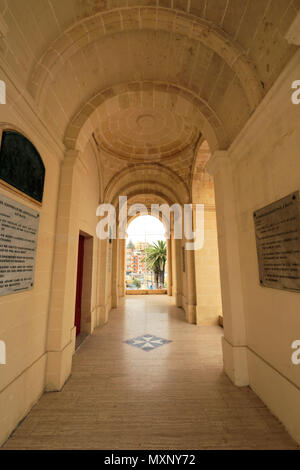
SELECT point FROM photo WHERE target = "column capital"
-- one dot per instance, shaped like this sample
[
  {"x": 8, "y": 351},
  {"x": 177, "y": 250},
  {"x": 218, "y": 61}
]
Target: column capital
[{"x": 218, "y": 158}]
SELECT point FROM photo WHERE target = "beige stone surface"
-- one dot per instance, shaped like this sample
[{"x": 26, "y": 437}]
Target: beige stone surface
[
  {"x": 207, "y": 272},
  {"x": 265, "y": 321},
  {"x": 133, "y": 97},
  {"x": 174, "y": 397}
]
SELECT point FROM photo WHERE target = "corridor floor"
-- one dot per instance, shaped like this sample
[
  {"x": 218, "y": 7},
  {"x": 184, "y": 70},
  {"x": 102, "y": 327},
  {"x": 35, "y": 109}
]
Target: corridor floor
[{"x": 174, "y": 396}]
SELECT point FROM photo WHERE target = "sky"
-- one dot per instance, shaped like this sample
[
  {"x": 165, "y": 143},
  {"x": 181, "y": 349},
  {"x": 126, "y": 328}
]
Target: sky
[{"x": 145, "y": 229}]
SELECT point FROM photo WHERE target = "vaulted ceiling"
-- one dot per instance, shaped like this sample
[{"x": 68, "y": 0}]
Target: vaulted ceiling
[{"x": 147, "y": 80}]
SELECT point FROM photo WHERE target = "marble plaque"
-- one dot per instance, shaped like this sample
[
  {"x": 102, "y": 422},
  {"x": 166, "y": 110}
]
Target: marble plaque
[
  {"x": 18, "y": 242},
  {"x": 277, "y": 229}
]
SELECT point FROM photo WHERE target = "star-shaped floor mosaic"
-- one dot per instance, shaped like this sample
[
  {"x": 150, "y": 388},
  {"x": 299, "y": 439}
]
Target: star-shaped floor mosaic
[{"x": 147, "y": 342}]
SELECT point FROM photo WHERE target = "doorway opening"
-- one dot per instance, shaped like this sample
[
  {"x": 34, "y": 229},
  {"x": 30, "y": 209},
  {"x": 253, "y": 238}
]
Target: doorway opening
[
  {"x": 146, "y": 269},
  {"x": 82, "y": 319}
]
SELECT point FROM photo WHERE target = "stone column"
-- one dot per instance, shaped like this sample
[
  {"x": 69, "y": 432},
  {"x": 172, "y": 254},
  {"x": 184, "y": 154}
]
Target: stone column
[
  {"x": 61, "y": 330},
  {"x": 169, "y": 263},
  {"x": 191, "y": 303},
  {"x": 177, "y": 271},
  {"x": 234, "y": 341},
  {"x": 122, "y": 244},
  {"x": 115, "y": 274},
  {"x": 103, "y": 282}
]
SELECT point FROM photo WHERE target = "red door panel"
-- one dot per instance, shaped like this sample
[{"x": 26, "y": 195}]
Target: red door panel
[{"x": 79, "y": 284}]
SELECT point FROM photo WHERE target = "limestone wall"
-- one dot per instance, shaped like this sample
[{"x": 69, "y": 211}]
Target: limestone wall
[
  {"x": 266, "y": 167},
  {"x": 38, "y": 325},
  {"x": 208, "y": 289},
  {"x": 24, "y": 316}
]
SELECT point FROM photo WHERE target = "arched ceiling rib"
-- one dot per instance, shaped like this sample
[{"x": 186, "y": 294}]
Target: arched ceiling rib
[
  {"x": 145, "y": 178},
  {"x": 36, "y": 24},
  {"x": 148, "y": 56},
  {"x": 148, "y": 186},
  {"x": 145, "y": 119},
  {"x": 257, "y": 27},
  {"x": 148, "y": 199},
  {"x": 210, "y": 62},
  {"x": 92, "y": 29}
]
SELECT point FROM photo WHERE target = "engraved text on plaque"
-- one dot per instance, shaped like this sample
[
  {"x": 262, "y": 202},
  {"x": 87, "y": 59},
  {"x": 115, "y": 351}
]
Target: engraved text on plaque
[
  {"x": 18, "y": 241},
  {"x": 277, "y": 229}
]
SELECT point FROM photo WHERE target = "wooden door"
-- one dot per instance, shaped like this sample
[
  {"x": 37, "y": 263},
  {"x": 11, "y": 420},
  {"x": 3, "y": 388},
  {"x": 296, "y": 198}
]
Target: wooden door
[{"x": 79, "y": 284}]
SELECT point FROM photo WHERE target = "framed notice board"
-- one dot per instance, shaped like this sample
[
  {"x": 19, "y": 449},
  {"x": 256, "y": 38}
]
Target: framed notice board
[
  {"x": 277, "y": 229},
  {"x": 18, "y": 244}
]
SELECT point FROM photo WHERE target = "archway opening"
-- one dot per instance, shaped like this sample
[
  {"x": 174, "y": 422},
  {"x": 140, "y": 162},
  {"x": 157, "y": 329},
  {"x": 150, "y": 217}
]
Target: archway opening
[{"x": 146, "y": 268}]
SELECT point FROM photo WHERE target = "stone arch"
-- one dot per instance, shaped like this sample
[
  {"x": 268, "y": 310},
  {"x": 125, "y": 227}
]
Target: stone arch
[
  {"x": 148, "y": 198},
  {"x": 137, "y": 18},
  {"x": 142, "y": 179},
  {"x": 83, "y": 123},
  {"x": 137, "y": 197},
  {"x": 153, "y": 186}
]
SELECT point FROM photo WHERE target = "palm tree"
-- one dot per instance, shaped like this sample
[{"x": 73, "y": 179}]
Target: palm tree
[{"x": 156, "y": 257}]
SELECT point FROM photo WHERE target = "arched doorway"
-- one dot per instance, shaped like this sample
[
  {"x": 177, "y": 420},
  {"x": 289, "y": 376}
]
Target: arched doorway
[{"x": 146, "y": 266}]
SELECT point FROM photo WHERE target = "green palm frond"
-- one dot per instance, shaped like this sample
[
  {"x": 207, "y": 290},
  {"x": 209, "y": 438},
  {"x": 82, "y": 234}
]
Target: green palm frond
[{"x": 156, "y": 256}]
